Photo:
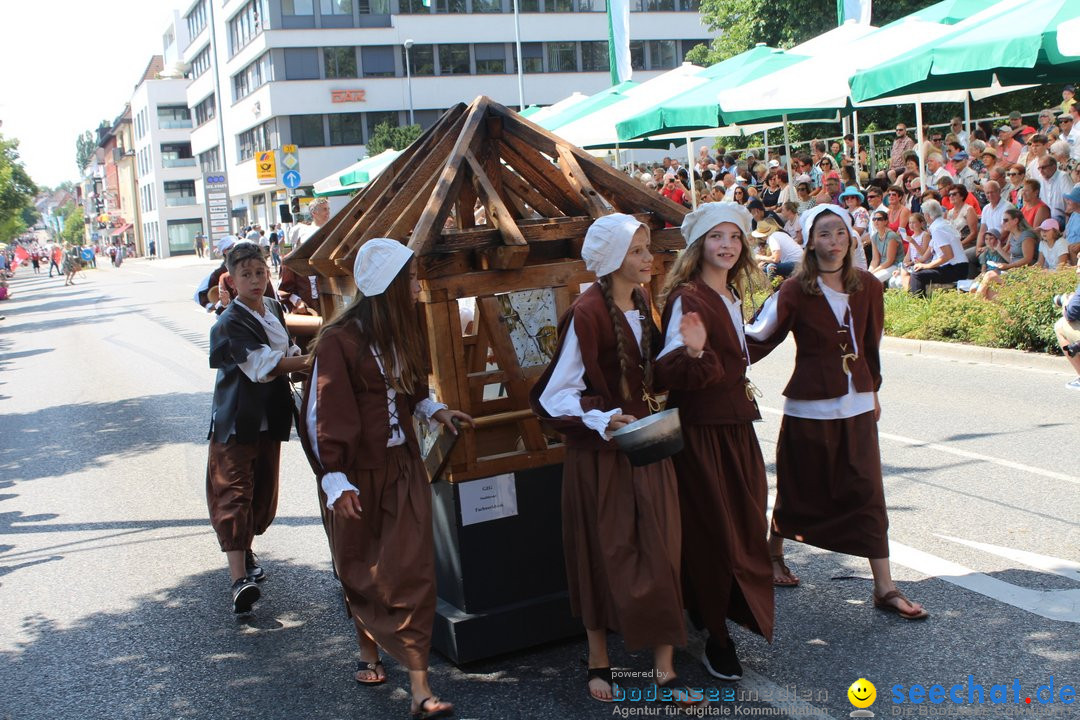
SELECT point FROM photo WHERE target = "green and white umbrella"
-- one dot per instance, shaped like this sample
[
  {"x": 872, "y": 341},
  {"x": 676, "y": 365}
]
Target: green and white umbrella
[
  {"x": 551, "y": 110},
  {"x": 356, "y": 176},
  {"x": 591, "y": 104},
  {"x": 1010, "y": 43},
  {"x": 699, "y": 108}
]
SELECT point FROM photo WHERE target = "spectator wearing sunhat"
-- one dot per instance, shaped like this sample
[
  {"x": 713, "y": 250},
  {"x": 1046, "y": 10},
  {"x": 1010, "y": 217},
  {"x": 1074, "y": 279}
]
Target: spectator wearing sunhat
[
  {"x": 783, "y": 252},
  {"x": 852, "y": 199}
]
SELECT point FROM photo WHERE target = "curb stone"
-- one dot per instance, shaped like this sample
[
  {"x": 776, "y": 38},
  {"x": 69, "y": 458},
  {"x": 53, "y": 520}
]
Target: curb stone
[{"x": 976, "y": 354}]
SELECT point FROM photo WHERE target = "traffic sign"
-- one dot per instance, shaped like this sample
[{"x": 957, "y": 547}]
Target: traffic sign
[
  {"x": 290, "y": 157},
  {"x": 266, "y": 167},
  {"x": 291, "y": 179}
]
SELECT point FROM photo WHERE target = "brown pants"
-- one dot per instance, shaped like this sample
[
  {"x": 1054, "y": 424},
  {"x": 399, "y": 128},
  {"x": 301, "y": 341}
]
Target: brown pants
[{"x": 242, "y": 489}]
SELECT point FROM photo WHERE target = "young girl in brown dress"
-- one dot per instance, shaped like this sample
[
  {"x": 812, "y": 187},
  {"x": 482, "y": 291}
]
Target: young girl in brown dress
[
  {"x": 621, "y": 532},
  {"x": 829, "y": 490},
  {"x": 723, "y": 492},
  {"x": 251, "y": 417},
  {"x": 369, "y": 377}
]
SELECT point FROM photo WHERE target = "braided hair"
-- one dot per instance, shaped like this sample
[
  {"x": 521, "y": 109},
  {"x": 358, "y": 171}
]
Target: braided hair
[{"x": 625, "y": 362}]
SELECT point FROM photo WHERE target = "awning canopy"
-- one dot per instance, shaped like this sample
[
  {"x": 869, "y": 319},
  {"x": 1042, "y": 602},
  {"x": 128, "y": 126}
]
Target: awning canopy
[
  {"x": 356, "y": 176},
  {"x": 120, "y": 230}
]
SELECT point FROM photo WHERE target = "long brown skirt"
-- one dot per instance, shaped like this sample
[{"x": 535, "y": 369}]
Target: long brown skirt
[
  {"x": 829, "y": 491},
  {"x": 723, "y": 496},
  {"x": 386, "y": 560},
  {"x": 621, "y": 542},
  {"x": 242, "y": 489}
]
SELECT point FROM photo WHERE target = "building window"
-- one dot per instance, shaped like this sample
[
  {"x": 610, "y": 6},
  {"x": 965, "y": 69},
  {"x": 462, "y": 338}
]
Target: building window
[
  {"x": 413, "y": 7},
  {"x": 532, "y": 57},
  {"x": 591, "y": 6},
  {"x": 450, "y": 6},
  {"x": 259, "y": 138},
  {"x": 200, "y": 64},
  {"x": 454, "y": 59},
  {"x": 688, "y": 45},
  {"x": 487, "y": 6},
  {"x": 689, "y": 5},
  {"x": 490, "y": 58},
  {"x": 252, "y": 77},
  {"x": 562, "y": 57},
  {"x": 298, "y": 7},
  {"x": 347, "y": 129},
  {"x": 558, "y": 6},
  {"x": 663, "y": 54},
  {"x": 179, "y": 192},
  {"x": 594, "y": 56},
  {"x": 301, "y": 64},
  {"x": 652, "y": 5},
  {"x": 375, "y": 119},
  {"x": 377, "y": 60},
  {"x": 378, "y": 7},
  {"x": 182, "y": 235},
  {"x": 196, "y": 20},
  {"x": 176, "y": 155},
  {"x": 205, "y": 111},
  {"x": 421, "y": 59},
  {"x": 210, "y": 161},
  {"x": 426, "y": 118},
  {"x": 339, "y": 62},
  {"x": 171, "y": 117},
  {"x": 307, "y": 130},
  {"x": 246, "y": 24},
  {"x": 637, "y": 54},
  {"x": 529, "y": 6},
  {"x": 335, "y": 7}
]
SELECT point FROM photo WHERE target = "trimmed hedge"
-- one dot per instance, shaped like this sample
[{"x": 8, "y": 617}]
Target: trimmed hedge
[{"x": 1020, "y": 316}]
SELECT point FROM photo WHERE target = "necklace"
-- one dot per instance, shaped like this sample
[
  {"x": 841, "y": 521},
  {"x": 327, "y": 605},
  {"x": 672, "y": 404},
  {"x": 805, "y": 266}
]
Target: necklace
[{"x": 830, "y": 272}]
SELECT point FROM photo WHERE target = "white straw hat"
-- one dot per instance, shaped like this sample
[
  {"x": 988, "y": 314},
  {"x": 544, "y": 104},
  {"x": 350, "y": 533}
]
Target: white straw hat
[
  {"x": 607, "y": 241},
  {"x": 378, "y": 263}
]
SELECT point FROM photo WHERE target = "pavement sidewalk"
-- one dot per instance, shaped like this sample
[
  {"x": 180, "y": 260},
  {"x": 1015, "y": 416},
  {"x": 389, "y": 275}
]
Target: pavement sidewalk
[{"x": 976, "y": 354}]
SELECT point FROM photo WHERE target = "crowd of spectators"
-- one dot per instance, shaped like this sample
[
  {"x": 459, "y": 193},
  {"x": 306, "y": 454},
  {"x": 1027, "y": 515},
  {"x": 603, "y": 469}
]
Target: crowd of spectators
[{"x": 990, "y": 200}]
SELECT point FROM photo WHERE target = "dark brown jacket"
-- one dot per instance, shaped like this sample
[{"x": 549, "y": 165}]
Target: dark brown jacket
[
  {"x": 711, "y": 389},
  {"x": 596, "y": 336},
  {"x": 821, "y": 342}
]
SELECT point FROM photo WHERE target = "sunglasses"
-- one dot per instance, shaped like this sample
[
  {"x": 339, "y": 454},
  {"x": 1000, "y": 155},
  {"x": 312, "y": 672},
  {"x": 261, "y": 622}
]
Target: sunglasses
[
  {"x": 954, "y": 194},
  {"x": 872, "y": 195},
  {"x": 936, "y": 139},
  {"x": 879, "y": 219},
  {"x": 1013, "y": 174}
]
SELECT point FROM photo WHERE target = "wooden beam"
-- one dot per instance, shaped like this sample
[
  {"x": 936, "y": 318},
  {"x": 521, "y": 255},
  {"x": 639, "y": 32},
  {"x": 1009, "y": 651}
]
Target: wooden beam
[
  {"x": 542, "y": 174},
  {"x": 576, "y": 177},
  {"x": 517, "y": 185},
  {"x": 400, "y": 192},
  {"x": 434, "y": 216},
  {"x": 498, "y": 214},
  {"x": 488, "y": 282}
]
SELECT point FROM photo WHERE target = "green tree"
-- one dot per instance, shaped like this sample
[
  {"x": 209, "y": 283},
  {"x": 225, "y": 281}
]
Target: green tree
[
  {"x": 74, "y": 231},
  {"x": 388, "y": 136},
  {"x": 85, "y": 145},
  {"x": 17, "y": 191}
]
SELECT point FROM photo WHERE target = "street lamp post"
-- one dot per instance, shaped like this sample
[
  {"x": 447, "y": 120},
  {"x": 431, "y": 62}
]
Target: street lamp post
[{"x": 408, "y": 79}]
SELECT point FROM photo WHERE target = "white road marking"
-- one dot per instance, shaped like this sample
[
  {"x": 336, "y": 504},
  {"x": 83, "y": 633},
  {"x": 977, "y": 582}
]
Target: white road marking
[
  {"x": 1046, "y": 563},
  {"x": 963, "y": 453},
  {"x": 1060, "y": 605}
]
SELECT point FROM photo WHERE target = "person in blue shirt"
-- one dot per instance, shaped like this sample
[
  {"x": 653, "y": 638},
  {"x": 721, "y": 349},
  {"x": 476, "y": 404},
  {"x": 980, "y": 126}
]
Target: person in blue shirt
[{"x": 1072, "y": 226}]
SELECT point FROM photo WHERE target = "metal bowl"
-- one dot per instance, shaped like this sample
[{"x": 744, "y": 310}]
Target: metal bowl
[{"x": 651, "y": 438}]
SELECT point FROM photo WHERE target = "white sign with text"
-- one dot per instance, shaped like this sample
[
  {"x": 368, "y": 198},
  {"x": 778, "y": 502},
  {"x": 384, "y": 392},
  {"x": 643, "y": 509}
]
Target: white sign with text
[{"x": 488, "y": 499}]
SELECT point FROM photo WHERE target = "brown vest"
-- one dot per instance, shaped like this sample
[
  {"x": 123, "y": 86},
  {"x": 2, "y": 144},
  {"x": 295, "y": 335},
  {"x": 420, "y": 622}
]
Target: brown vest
[
  {"x": 599, "y": 355},
  {"x": 711, "y": 389}
]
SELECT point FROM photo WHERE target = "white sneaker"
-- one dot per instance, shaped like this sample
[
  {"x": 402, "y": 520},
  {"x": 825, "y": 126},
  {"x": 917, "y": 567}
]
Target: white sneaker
[{"x": 1074, "y": 385}]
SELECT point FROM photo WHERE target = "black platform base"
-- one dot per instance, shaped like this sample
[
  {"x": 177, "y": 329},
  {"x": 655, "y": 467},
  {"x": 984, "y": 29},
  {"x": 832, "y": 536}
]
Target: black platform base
[{"x": 464, "y": 638}]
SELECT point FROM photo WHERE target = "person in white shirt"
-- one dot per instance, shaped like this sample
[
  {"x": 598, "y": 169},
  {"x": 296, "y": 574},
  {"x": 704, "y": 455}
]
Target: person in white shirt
[
  {"x": 784, "y": 253},
  {"x": 935, "y": 169},
  {"x": 956, "y": 127},
  {"x": 1054, "y": 186},
  {"x": 1053, "y": 249},
  {"x": 964, "y": 174},
  {"x": 948, "y": 263},
  {"x": 990, "y": 220}
]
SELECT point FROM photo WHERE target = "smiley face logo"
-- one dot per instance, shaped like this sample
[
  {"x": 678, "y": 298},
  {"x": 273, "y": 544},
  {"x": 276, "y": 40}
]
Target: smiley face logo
[{"x": 862, "y": 693}]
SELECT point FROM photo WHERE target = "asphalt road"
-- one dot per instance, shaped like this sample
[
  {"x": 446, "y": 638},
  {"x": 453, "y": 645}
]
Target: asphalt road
[{"x": 114, "y": 592}]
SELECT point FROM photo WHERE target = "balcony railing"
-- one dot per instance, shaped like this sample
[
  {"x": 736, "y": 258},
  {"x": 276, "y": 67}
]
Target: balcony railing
[
  {"x": 164, "y": 124},
  {"x": 177, "y": 162},
  {"x": 171, "y": 201}
]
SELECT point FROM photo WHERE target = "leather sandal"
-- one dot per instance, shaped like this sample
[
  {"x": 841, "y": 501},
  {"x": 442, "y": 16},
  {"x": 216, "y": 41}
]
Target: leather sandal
[
  {"x": 883, "y": 603},
  {"x": 681, "y": 696},
  {"x": 792, "y": 581},
  {"x": 603, "y": 673},
  {"x": 374, "y": 667},
  {"x": 423, "y": 713}
]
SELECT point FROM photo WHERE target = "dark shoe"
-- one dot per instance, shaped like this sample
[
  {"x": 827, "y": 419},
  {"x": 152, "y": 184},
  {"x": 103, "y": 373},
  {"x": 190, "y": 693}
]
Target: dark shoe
[
  {"x": 251, "y": 564},
  {"x": 430, "y": 708},
  {"x": 721, "y": 661},
  {"x": 244, "y": 594}
]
